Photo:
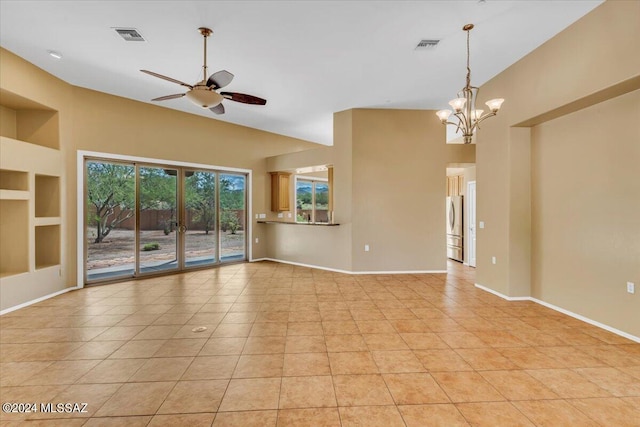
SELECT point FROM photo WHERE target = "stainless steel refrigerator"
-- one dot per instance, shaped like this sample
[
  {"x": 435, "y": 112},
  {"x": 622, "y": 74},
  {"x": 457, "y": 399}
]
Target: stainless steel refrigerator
[{"x": 454, "y": 228}]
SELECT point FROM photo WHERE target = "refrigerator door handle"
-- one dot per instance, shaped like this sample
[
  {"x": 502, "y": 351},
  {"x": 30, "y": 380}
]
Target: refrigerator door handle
[{"x": 452, "y": 215}]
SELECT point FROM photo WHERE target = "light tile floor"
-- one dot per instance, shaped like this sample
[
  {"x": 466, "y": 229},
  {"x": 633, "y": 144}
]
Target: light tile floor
[{"x": 291, "y": 346}]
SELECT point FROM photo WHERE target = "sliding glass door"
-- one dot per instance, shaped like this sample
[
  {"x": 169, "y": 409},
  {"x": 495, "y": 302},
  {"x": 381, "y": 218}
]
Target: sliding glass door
[
  {"x": 144, "y": 219},
  {"x": 200, "y": 218},
  {"x": 232, "y": 216},
  {"x": 110, "y": 220},
  {"x": 157, "y": 219}
]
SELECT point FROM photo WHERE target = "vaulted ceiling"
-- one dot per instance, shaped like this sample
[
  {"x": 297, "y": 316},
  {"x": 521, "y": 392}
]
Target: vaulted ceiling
[{"x": 309, "y": 59}]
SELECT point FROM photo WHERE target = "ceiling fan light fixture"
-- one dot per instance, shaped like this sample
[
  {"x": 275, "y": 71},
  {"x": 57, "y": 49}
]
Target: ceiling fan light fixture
[{"x": 204, "y": 97}]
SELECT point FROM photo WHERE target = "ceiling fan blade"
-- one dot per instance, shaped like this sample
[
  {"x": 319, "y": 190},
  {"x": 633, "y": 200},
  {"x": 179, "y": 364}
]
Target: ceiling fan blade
[
  {"x": 218, "y": 109},
  {"x": 160, "y": 76},
  {"x": 219, "y": 79},
  {"x": 164, "y": 98},
  {"x": 244, "y": 98}
]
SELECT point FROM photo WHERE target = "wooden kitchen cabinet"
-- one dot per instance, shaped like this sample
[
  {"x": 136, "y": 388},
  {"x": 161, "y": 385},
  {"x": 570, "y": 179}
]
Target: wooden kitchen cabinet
[
  {"x": 455, "y": 185},
  {"x": 280, "y": 198}
]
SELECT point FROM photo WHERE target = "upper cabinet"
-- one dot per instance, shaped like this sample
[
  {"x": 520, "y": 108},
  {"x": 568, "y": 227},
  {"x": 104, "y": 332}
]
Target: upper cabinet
[
  {"x": 280, "y": 196},
  {"x": 455, "y": 185}
]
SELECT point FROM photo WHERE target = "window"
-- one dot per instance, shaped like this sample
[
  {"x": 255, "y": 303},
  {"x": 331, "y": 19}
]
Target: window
[{"x": 312, "y": 200}]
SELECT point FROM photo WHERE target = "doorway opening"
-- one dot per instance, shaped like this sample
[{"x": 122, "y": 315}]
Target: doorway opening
[
  {"x": 460, "y": 212},
  {"x": 143, "y": 218}
]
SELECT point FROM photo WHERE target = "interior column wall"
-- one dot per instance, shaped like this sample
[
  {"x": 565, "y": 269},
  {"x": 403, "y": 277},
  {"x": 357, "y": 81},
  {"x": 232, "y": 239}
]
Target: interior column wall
[
  {"x": 322, "y": 246},
  {"x": 586, "y": 204},
  {"x": 399, "y": 161}
]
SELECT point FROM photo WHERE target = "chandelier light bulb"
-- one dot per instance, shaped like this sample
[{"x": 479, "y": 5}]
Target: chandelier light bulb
[
  {"x": 443, "y": 115},
  {"x": 476, "y": 114},
  {"x": 457, "y": 104},
  {"x": 494, "y": 104}
]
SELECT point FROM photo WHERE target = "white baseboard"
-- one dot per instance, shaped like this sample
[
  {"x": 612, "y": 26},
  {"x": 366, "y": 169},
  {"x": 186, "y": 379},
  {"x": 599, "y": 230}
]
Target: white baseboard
[
  {"x": 28, "y": 303},
  {"x": 336, "y": 270},
  {"x": 503, "y": 296},
  {"x": 563, "y": 311}
]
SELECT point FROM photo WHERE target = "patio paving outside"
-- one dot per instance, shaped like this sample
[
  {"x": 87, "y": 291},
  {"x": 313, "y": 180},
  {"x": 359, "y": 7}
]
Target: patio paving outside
[{"x": 117, "y": 250}]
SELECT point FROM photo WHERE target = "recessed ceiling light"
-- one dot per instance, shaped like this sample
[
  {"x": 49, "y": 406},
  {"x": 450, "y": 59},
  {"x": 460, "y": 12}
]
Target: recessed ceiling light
[{"x": 54, "y": 54}]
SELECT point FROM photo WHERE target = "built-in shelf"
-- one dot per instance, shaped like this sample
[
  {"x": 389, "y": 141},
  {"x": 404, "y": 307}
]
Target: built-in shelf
[
  {"x": 47, "y": 220},
  {"x": 14, "y": 237},
  {"x": 322, "y": 224},
  {"x": 14, "y": 180},
  {"x": 47, "y": 246},
  {"x": 14, "y": 195},
  {"x": 23, "y": 156},
  {"x": 47, "y": 196}
]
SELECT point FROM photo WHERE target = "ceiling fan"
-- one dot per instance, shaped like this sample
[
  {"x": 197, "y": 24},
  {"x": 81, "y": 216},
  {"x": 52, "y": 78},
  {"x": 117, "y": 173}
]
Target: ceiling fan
[{"x": 204, "y": 93}]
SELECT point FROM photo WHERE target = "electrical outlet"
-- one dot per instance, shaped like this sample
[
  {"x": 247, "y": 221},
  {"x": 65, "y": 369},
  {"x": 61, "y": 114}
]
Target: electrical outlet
[
  {"x": 257, "y": 216},
  {"x": 366, "y": 248},
  {"x": 280, "y": 215},
  {"x": 493, "y": 260},
  {"x": 481, "y": 224},
  {"x": 263, "y": 216},
  {"x": 289, "y": 215},
  {"x": 257, "y": 240},
  {"x": 631, "y": 287}
]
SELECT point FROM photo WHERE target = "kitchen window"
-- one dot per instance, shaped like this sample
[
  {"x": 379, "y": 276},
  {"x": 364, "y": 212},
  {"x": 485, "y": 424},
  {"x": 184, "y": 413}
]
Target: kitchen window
[{"x": 312, "y": 200}]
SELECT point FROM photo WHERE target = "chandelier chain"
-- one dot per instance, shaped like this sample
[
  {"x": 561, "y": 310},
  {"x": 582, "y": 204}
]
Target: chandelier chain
[{"x": 468, "y": 66}]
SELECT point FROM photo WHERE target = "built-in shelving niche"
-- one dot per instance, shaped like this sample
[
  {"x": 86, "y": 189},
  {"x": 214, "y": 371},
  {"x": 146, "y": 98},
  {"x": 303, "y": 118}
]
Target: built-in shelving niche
[
  {"x": 28, "y": 121},
  {"x": 47, "y": 196},
  {"x": 14, "y": 180},
  {"x": 14, "y": 237},
  {"x": 30, "y": 204},
  {"x": 47, "y": 246}
]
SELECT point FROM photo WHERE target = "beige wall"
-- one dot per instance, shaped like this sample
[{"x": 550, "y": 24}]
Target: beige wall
[
  {"x": 586, "y": 212},
  {"x": 587, "y": 63},
  {"x": 399, "y": 165},
  {"x": 99, "y": 122},
  {"x": 389, "y": 183},
  {"x": 291, "y": 161}
]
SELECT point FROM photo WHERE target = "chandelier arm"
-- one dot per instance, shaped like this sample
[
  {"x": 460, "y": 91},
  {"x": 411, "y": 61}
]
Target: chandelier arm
[
  {"x": 486, "y": 116},
  {"x": 462, "y": 124}
]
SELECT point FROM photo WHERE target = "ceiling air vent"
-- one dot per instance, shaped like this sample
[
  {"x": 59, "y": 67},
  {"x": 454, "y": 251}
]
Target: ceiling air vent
[
  {"x": 427, "y": 44},
  {"x": 130, "y": 34}
]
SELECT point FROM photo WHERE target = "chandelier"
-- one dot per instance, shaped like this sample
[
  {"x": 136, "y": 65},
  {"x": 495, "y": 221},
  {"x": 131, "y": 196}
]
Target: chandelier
[{"x": 464, "y": 106}]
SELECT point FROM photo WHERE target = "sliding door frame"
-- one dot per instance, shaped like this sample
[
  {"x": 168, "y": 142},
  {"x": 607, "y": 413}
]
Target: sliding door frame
[{"x": 81, "y": 247}]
